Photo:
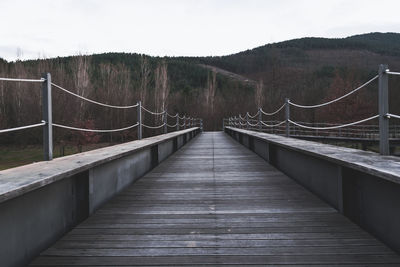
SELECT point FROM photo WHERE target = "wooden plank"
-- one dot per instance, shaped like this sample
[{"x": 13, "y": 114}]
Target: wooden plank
[
  {"x": 215, "y": 260},
  {"x": 216, "y": 203}
]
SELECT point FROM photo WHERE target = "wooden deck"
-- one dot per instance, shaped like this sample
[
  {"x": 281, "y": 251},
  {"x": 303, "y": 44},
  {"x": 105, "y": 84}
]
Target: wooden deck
[{"x": 215, "y": 202}]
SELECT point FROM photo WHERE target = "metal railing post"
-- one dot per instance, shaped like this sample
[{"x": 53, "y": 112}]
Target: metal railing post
[
  {"x": 259, "y": 119},
  {"x": 383, "y": 110},
  {"x": 139, "y": 119},
  {"x": 287, "y": 115},
  {"x": 165, "y": 120},
  {"x": 223, "y": 124},
  {"x": 184, "y": 122},
  {"x": 247, "y": 120},
  {"x": 240, "y": 121},
  {"x": 177, "y": 121},
  {"x": 47, "y": 117},
  {"x": 201, "y": 124}
]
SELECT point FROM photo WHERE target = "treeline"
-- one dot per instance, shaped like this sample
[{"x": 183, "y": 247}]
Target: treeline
[
  {"x": 117, "y": 79},
  {"x": 308, "y": 71}
]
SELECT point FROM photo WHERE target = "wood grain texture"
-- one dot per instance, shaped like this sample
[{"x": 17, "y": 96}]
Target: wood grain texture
[{"x": 216, "y": 203}]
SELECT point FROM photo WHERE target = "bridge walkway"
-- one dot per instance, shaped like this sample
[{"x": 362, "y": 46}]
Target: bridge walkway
[{"x": 215, "y": 202}]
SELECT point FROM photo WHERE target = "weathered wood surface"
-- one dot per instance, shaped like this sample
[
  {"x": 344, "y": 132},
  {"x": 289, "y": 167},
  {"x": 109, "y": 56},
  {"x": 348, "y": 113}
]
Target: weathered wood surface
[
  {"x": 216, "y": 203},
  {"x": 386, "y": 167},
  {"x": 21, "y": 180}
]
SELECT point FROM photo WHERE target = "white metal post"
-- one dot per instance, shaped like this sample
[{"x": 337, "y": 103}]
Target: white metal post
[
  {"x": 383, "y": 110},
  {"x": 139, "y": 119},
  {"x": 47, "y": 117},
  {"x": 165, "y": 120},
  {"x": 177, "y": 121},
  {"x": 287, "y": 115}
]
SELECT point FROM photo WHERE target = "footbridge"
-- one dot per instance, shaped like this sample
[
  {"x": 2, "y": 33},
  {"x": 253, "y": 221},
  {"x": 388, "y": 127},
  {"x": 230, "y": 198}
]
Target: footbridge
[
  {"x": 242, "y": 196},
  {"x": 212, "y": 201}
]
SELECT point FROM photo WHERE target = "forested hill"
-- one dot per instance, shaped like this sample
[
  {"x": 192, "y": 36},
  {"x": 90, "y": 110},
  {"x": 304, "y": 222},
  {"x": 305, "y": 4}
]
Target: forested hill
[
  {"x": 308, "y": 70},
  {"x": 300, "y": 51}
]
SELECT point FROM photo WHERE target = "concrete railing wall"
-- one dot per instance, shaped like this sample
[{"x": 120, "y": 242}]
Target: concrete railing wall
[
  {"x": 40, "y": 202},
  {"x": 363, "y": 186}
]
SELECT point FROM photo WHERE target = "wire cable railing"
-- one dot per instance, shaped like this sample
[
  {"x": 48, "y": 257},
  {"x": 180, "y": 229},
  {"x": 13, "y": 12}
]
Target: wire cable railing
[
  {"x": 336, "y": 99},
  {"x": 23, "y": 80},
  {"x": 389, "y": 116},
  {"x": 153, "y": 113},
  {"x": 153, "y": 127},
  {"x": 92, "y": 101},
  {"x": 95, "y": 130},
  {"x": 172, "y": 126},
  {"x": 290, "y": 127},
  {"x": 273, "y": 125},
  {"x": 47, "y": 122},
  {"x": 253, "y": 116},
  {"x": 172, "y": 116},
  {"x": 22, "y": 127},
  {"x": 334, "y": 127},
  {"x": 392, "y": 73},
  {"x": 273, "y": 113}
]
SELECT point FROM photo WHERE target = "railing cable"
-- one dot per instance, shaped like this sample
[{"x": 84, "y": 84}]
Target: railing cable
[
  {"x": 172, "y": 116},
  {"x": 273, "y": 113},
  {"x": 95, "y": 130},
  {"x": 253, "y": 116},
  {"x": 333, "y": 127},
  {"x": 272, "y": 125},
  {"x": 92, "y": 101},
  {"x": 153, "y": 127},
  {"x": 23, "y": 127},
  {"x": 392, "y": 73},
  {"x": 23, "y": 80},
  {"x": 337, "y": 99},
  {"x": 153, "y": 113},
  {"x": 392, "y": 116}
]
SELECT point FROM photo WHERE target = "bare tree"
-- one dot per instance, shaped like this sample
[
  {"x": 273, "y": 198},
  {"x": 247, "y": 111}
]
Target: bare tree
[
  {"x": 81, "y": 81},
  {"x": 210, "y": 96},
  {"x": 210, "y": 91},
  {"x": 144, "y": 78},
  {"x": 161, "y": 86},
  {"x": 259, "y": 96},
  {"x": 20, "y": 53}
]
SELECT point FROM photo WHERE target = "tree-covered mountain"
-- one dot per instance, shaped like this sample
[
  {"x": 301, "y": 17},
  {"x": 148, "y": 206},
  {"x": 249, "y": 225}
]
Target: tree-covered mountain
[
  {"x": 307, "y": 70},
  {"x": 298, "y": 50}
]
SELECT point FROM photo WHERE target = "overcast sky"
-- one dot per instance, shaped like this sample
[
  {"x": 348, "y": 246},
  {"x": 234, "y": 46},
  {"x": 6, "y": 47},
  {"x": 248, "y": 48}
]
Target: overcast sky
[{"x": 50, "y": 28}]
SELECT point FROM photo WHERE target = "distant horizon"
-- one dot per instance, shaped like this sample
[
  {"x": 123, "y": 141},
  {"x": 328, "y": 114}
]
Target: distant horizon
[
  {"x": 48, "y": 29},
  {"x": 79, "y": 53}
]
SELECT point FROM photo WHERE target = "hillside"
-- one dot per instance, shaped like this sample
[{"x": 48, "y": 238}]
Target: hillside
[
  {"x": 308, "y": 70},
  {"x": 300, "y": 51}
]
